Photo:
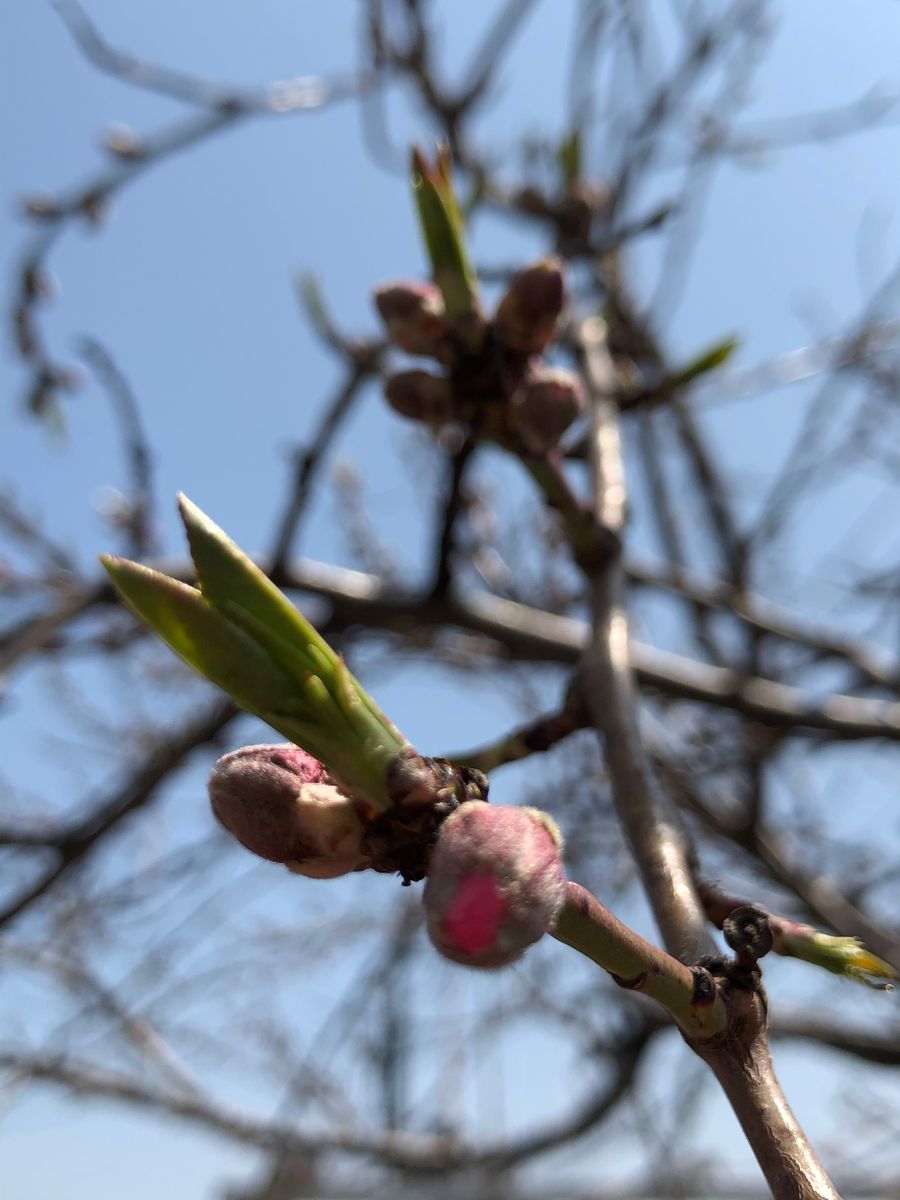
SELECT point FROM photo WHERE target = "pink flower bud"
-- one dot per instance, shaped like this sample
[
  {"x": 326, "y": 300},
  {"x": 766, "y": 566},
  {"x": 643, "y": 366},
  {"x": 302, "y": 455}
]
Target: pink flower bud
[
  {"x": 279, "y": 802},
  {"x": 420, "y": 396},
  {"x": 495, "y": 883},
  {"x": 414, "y": 316},
  {"x": 527, "y": 314},
  {"x": 544, "y": 407}
]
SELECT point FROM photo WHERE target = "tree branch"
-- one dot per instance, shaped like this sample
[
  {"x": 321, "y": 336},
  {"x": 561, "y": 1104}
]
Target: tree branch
[
  {"x": 657, "y": 838},
  {"x": 738, "y": 1056},
  {"x": 72, "y": 845}
]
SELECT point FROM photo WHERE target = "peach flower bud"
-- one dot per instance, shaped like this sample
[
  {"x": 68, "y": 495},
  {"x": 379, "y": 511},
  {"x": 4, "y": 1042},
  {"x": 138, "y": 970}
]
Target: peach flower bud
[
  {"x": 544, "y": 407},
  {"x": 420, "y": 396},
  {"x": 279, "y": 802},
  {"x": 495, "y": 883},
  {"x": 527, "y": 314},
  {"x": 414, "y": 316}
]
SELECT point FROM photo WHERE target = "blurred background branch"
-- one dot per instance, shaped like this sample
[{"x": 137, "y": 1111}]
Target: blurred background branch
[{"x": 147, "y": 970}]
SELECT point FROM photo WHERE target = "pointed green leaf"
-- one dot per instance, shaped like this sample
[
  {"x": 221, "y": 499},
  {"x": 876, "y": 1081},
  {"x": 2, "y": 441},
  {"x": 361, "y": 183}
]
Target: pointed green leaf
[
  {"x": 313, "y": 703},
  {"x": 568, "y": 156},
  {"x": 363, "y": 713},
  {"x": 203, "y": 637},
  {"x": 714, "y": 357},
  {"x": 443, "y": 182},
  {"x": 227, "y": 576},
  {"x": 342, "y": 725},
  {"x": 845, "y": 956},
  {"x": 442, "y": 229},
  {"x": 243, "y": 634}
]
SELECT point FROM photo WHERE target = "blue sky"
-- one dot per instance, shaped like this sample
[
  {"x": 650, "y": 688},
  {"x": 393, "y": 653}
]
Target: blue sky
[{"x": 190, "y": 284}]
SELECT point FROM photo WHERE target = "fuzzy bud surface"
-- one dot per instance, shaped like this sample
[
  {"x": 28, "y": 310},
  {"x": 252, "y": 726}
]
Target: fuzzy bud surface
[
  {"x": 527, "y": 314},
  {"x": 420, "y": 396},
  {"x": 544, "y": 407},
  {"x": 495, "y": 883},
  {"x": 279, "y": 803},
  {"x": 413, "y": 314}
]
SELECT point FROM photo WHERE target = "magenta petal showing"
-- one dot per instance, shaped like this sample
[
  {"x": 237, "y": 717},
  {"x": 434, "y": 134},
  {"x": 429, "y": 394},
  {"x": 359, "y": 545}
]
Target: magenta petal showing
[
  {"x": 495, "y": 883},
  {"x": 473, "y": 920}
]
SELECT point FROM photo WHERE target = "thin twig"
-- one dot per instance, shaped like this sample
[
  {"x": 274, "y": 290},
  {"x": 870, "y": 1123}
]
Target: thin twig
[
  {"x": 309, "y": 460},
  {"x": 452, "y": 509},
  {"x": 74, "y": 844},
  {"x": 139, "y": 516}
]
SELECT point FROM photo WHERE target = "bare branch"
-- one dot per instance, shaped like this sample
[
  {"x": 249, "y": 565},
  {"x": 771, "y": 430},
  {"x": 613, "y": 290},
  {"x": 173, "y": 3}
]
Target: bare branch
[
  {"x": 657, "y": 840},
  {"x": 138, "y": 516},
  {"x": 72, "y": 845}
]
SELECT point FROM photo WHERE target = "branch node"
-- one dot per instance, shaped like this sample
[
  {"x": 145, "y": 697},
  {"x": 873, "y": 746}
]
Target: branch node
[
  {"x": 705, "y": 988},
  {"x": 748, "y": 932},
  {"x": 634, "y": 984}
]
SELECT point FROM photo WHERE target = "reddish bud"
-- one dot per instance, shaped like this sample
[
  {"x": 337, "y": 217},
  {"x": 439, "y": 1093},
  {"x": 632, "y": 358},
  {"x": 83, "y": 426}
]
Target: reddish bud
[
  {"x": 531, "y": 200},
  {"x": 414, "y": 316},
  {"x": 544, "y": 407},
  {"x": 279, "y": 802},
  {"x": 526, "y": 316},
  {"x": 420, "y": 396},
  {"x": 495, "y": 883}
]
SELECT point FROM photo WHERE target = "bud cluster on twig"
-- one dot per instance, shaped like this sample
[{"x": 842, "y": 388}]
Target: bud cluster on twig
[
  {"x": 500, "y": 383},
  {"x": 494, "y": 376}
]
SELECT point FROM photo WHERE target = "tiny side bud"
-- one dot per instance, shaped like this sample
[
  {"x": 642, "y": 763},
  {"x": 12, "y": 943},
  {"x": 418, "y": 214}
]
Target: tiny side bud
[
  {"x": 279, "y": 802},
  {"x": 495, "y": 883},
  {"x": 122, "y": 141},
  {"x": 43, "y": 206}
]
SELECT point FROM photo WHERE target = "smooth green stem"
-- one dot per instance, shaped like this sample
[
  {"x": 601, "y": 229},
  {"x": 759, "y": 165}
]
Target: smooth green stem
[{"x": 587, "y": 926}]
